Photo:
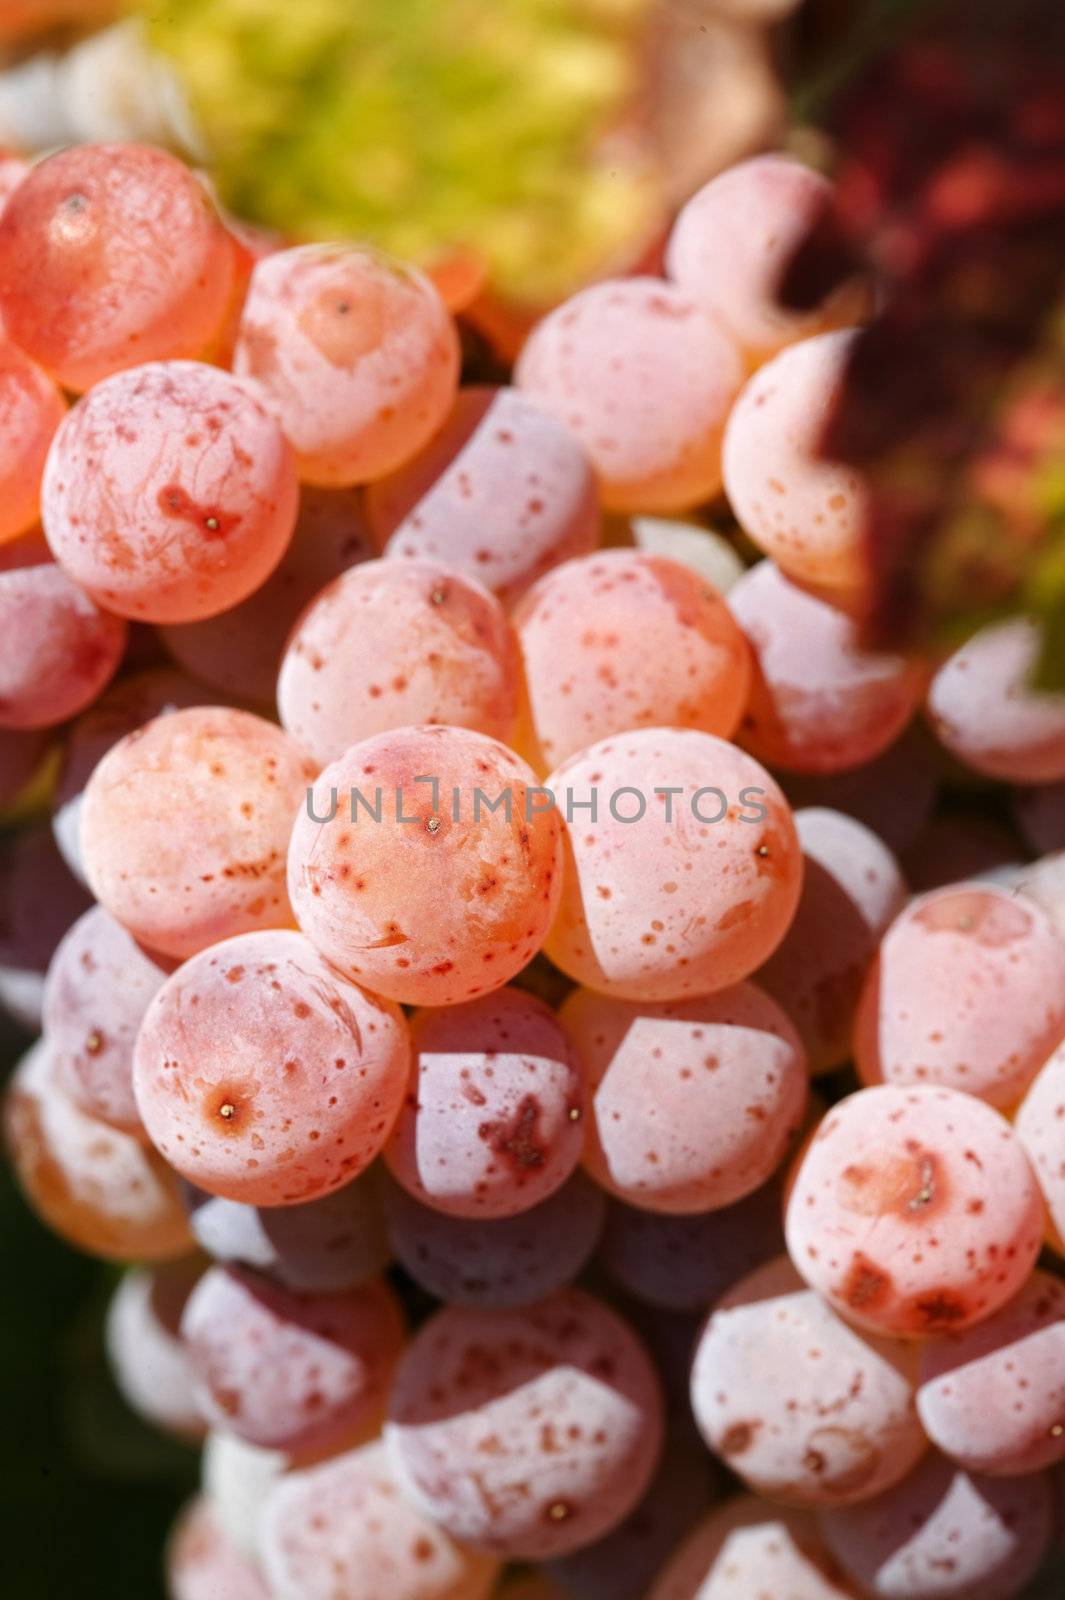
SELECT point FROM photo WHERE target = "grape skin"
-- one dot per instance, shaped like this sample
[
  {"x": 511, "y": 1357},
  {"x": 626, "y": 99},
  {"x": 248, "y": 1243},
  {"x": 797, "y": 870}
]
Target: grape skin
[
  {"x": 748, "y": 1547},
  {"x": 202, "y": 1563},
  {"x": 31, "y": 409},
  {"x": 893, "y": 794},
  {"x": 984, "y": 710},
  {"x": 148, "y": 1360},
  {"x": 1038, "y": 1127},
  {"x": 58, "y": 649}
]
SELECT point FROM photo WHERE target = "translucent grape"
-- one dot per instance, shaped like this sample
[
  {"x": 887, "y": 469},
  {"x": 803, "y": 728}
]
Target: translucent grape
[
  {"x": 749, "y": 1548},
  {"x": 58, "y": 650},
  {"x": 265, "y": 1077},
  {"x": 110, "y": 255},
  {"x": 702, "y": 549},
  {"x": 984, "y": 709},
  {"x": 393, "y": 643},
  {"x": 528, "y": 1433},
  {"x": 644, "y": 378},
  {"x": 648, "y": 909},
  {"x": 170, "y": 493},
  {"x": 893, "y": 794},
  {"x": 958, "y": 845},
  {"x": 148, "y": 1360},
  {"x": 378, "y": 888},
  {"x": 41, "y": 901},
  {"x": 185, "y": 825},
  {"x": 1044, "y": 882},
  {"x": 237, "y": 1477},
  {"x": 819, "y": 702},
  {"x": 1038, "y": 1127},
  {"x": 31, "y": 409},
  {"x": 914, "y": 1211},
  {"x": 355, "y": 354},
  {"x": 202, "y": 1563}
]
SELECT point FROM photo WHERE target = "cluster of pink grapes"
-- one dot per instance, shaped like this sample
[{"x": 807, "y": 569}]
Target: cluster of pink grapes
[{"x": 461, "y": 860}]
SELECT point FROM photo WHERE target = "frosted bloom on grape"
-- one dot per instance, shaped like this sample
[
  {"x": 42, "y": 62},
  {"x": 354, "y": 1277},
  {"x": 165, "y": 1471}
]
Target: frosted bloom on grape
[
  {"x": 447, "y": 888},
  {"x": 31, "y": 409},
  {"x": 148, "y": 1360},
  {"x": 185, "y": 827},
  {"x": 170, "y": 492},
  {"x": 984, "y": 709},
  {"x": 703, "y": 550},
  {"x": 355, "y": 354},
  {"x": 96, "y": 1187},
  {"x": 692, "y": 1103},
  {"x": 344, "y": 1531},
  {"x": 393, "y": 643},
  {"x": 914, "y": 1211},
  {"x": 851, "y": 889},
  {"x": 58, "y": 650},
  {"x": 1040, "y": 1126},
  {"x": 686, "y": 876},
  {"x": 502, "y": 492},
  {"x": 644, "y": 377},
  {"x": 750, "y": 1548},
  {"x": 237, "y": 1477},
  {"x": 622, "y": 640},
  {"x": 893, "y": 794},
  {"x": 967, "y": 991},
  {"x": 203, "y": 1563},
  {"x": 263, "y": 1076},
  {"x": 41, "y": 902},
  {"x": 819, "y": 702}
]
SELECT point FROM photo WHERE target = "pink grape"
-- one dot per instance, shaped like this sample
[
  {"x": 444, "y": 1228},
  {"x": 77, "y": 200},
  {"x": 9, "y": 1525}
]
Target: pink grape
[
  {"x": 41, "y": 901},
  {"x": 643, "y": 376},
  {"x": 264, "y": 1076},
  {"x": 31, "y": 409},
  {"x": 149, "y": 1362},
  {"x": 1038, "y": 1127},
  {"x": 851, "y": 890},
  {"x": 692, "y": 896},
  {"x": 354, "y": 352},
  {"x": 393, "y": 643},
  {"x": 288, "y": 1371},
  {"x": 692, "y": 1103},
  {"x": 203, "y": 1563},
  {"x": 170, "y": 493},
  {"x": 237, "y": 1477},
  {"x": 623, "y": 640},
  {"x": 499, "y": 466},
  {"x": 58, "y": 650},
  {"x": 986, "y": 712},
  {"x": 819, "y": 702},
  {"x": 398, "y": 894},
  {"x": 893, "y": 794},
  {"x": 528, "y": 1433},
  {"x": 914, "y": 1211},
  {"x": 703, "y": 550},
  {"x": 1044, "y": 882},
  {"x": 958, "y": 845},
  {"x": 185, "y": 825},
  {"x": 749, "y": 1548},
  {"x": 967, "y": 991},
  {"x": 12, "y": 171}
]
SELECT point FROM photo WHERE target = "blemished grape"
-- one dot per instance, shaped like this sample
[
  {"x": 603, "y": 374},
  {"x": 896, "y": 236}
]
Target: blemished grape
[
  {"x": 644, "y": 377},
  {"x": 623, "y": 640},
  {"x": 148, "y": 1360},
  {"x": 502, "y": 492},
  {"x": 943, "y": 1532},
  {"x": 354, "y": 352},
  {"x": 492, "y": 1122},
  {"x": 185, "y": 826},
  {"x": 203, "y": 1563},
  {"x": 893, "y": 794},
  {"x": 702, "y": 549},
  {"x": 170, "y": 493},
  {"x": 41, "y": 901},
  {"x": 237, "y": 1477},
  {"x": 748, "y": 1548},
  {"x": 819, "y": 702},
  {"x": 344, "y": 1531},
  {"x": 914, "y": 1211},
  {"x": 692, "y": 1104},
  {"x": 529, "y": 1432},
  {"x": 95, "y": 1186},
  {"x": 967, "y": 991},
  {"x": 31, "y": 409},
  {"x": 1044, "y": 882},
  {"x": 851, "y": 890},
  {"x": 58, "y": 649},
  {"x": 984, "y": 709},
  {"x": 402, "y": 897},
  {"x": 499, "y": 1262},
  {"x": 394, "y": 643},
  {"x": 288, "y": 1371},
  {"x": 111, "y": 255},
  {"x": 957, "y": 846},
  {"x": 808, "y": 514},
  {"x": 1038, "y": 1126},
  {"x": 804, "y": 1408},
  {"x": 263, "y": 1076},
  {"x": 685, "y": 876}
]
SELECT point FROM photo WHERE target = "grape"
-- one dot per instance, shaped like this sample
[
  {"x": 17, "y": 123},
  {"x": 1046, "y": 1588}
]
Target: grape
[
  {"x": 1044, "y": 882},
  {"x": 914, "y": 1211},
  {"x": 40, "y": 901},
  {"x": 98, "y": 987},
  {"x": 202, "y": 1563},
  {"x": 943, "y": 1533},
  {"x": 355, "y": 354},
  {"x": 148, "y": 1360},
  {"x": 985, "y": 711},
  {"x": 237, "y": 1477},
  {"x": 809, "y": 515},
  {"x": 693, "y": 1103},
  {"x": 12, "y": 171},
  {"x": 529, "y": 1433},
  {"x": 31, "y": 409},
  {"x": 851, "y": 890},
  {"x": 819, "y": 702},
  {"x": 893, "y": 794},
  {"x": 185, "y": 825},
  {"x": 288, "y": 1371},
  {"x": 1038, "y": 1127},
  {"x": 993, "y": 1399},
  {"x": 169, "y": 493},
  {"x": 110, "y": 255},
  {"x": 265, "y": 1077},
  {"x": 96, "y": 1187},
  {"x": 343, "y": 1531},
  {"x": 747, "y": 1549},
  {"x": 967, "y": 991},
  {"x": 702, "y": 549},
  {"x": 58, "y": 650},
  {"x": 644, "y": 378},
  {"x": 393, "y": 643},
  {"x": 502, "y": 492},
  {"x": 623, "y": 640},
  {"x": 712, "y": 869},
  {"x": 418, "y": 906},
  {"x": 955, "y": 846}
]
